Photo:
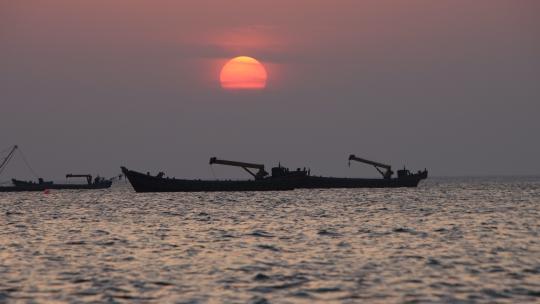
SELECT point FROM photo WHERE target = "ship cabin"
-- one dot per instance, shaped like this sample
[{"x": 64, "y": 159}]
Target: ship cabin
[{"x": 280, "y": 172}]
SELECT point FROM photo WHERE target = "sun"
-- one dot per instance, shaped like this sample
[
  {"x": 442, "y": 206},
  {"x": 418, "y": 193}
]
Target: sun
[{"x": 243, "y": 73}]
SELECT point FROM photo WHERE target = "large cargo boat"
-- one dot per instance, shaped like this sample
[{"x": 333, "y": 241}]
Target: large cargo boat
[
  {"x": 404, "y": 178},
  {"x": 148, "y": 183},
  {"x": 281, "y": 179}
]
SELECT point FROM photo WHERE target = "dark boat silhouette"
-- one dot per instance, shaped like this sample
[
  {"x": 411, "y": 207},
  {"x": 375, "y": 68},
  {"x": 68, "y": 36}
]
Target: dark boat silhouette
[
  {"x": 148, "y": 183},
  {"x": 404, "y": 178},
  {"x": 41, "y": 185},
  {"x": 281, "y": 179}
]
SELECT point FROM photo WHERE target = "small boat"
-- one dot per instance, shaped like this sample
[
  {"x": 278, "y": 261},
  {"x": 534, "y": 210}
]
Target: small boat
[
  {"x": 281, "y": 179},
  {"x": 42, "y": 185}
]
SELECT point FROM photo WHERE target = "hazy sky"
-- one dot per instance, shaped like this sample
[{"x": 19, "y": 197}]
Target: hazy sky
[{"x": 452, "y": 86}]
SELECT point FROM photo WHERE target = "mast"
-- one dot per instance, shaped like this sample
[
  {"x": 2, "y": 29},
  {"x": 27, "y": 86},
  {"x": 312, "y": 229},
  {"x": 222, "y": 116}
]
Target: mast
[{"x": 6, "y": 160}]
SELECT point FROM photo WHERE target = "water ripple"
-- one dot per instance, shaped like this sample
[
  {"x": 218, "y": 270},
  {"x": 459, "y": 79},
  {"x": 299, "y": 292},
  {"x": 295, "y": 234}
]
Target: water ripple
[{"x": 450, "y": 240}]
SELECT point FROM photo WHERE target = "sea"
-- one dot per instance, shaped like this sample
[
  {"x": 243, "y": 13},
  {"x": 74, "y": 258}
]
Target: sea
[{"x": 451, "y": 240}]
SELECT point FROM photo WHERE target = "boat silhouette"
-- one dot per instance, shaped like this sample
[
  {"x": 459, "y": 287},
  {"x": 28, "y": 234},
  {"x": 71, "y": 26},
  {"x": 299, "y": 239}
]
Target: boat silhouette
[
  {"x": 148, "y": 183},
  {"x": 404, "y": 178},
  {"x": 281, "y": 179},
  {"x": 42, "y": 185}
]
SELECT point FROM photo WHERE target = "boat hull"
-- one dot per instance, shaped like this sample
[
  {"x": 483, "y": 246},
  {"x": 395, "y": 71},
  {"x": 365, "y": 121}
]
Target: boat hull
[
  {"x": 314, "y": 182},
  {"x": 147, "y": 183},
  {"x": 42, "y": 187}
]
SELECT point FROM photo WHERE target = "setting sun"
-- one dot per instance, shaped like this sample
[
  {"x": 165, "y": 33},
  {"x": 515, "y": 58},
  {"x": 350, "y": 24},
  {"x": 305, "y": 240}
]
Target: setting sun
[{"x": 243, "y": 73}]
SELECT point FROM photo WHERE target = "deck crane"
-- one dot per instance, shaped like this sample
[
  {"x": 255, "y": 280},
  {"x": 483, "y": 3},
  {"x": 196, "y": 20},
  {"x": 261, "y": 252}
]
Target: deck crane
[
  {"x": 386, "y": 174},
  {"x": 87, "y": 176},
  {"x": 6, "y": 160},
  {"x": 260, "y": 174}
]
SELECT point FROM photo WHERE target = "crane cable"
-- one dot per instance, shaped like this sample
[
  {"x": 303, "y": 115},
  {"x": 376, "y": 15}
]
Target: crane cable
[
  {"x": 6, "y": 160},
  {"x": 6, "y": 149},
  {"x": 27, "y": 164},
  {"x": 213, "y": 173}
]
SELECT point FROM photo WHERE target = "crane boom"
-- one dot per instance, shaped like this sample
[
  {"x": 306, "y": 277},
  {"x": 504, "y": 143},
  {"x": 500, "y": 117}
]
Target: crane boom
[
  {"x": 261, "y": 173},
  {"x": 386, "y": 174},
  {"x": 87, "y": 176},
  {"x": 8, "y": 158},
  {"x": 369, "y": 162}
]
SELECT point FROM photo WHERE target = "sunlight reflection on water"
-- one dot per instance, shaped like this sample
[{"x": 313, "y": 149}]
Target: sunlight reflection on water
[{"x": 449, "y": 240}]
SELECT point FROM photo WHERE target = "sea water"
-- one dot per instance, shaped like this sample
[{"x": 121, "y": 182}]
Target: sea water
[{"x": 455, "y": 240}]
